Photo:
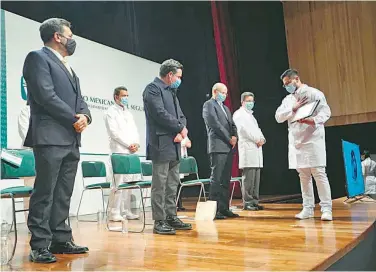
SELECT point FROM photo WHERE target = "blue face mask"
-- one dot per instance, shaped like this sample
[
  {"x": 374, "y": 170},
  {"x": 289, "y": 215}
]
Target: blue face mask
[
  {"x": 176, "y": 84},
  {"x": 249, "y": 105},
  {"x": 221, "y": 97},
  {"x": 124, "y": 101},
  {"x": 291, "y": 88}
]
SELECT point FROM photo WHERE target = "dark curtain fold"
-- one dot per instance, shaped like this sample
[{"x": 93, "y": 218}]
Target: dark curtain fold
[{"x": 227, "y": 66}]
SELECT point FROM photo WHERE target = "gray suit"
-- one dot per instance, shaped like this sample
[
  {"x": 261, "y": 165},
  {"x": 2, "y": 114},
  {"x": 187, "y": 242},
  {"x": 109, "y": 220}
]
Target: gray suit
[
  {"x": 165, "y": 120},
  {"x": 220, "y": 128},
  {"x": 55, "y": 98}
]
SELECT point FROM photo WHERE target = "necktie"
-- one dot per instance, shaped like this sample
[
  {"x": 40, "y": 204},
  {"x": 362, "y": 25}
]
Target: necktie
[
  {"x": 223, "y": 108},
  {"x": 66, "y": 64}
]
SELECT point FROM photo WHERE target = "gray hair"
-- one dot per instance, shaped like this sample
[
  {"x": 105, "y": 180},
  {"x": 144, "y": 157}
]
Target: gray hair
[
  {"x": 50, "y": 26},
  {"x": 245, "y": 95},
  {"x": 169, "y": 65}
]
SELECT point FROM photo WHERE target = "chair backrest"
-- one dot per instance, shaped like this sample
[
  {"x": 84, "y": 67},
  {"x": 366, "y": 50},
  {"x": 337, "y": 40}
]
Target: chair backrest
[
  {"x": 188, "y": 166},
  {"x": 125, "y": 164},
  {"x": 26, "y": 169},
  {"x": 147, "y": 168},
  {"x": 93, "y": 169}
]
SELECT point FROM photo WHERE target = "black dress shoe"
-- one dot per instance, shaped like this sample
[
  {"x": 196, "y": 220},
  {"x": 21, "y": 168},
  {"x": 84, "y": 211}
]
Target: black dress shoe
[
  {"x": 219, "y": 216},
  {"x": 162, "y": 227},
  {"x": 259, "y": 207},
  {"x": 42, "y": 255},
  {"x": 181, "y": 209},
  {"x": 230, "y": 214},
  {"x": 67, "y": 248},
  {"x": 177, "y": 224}
]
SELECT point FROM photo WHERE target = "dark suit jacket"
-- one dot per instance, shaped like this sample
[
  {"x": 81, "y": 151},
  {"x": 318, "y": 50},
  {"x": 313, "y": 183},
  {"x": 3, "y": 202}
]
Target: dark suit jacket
[
  {"x": 164, "y": 120},
  {"x": 54, "y": 97},
  {"x": 219, "y": 128}
]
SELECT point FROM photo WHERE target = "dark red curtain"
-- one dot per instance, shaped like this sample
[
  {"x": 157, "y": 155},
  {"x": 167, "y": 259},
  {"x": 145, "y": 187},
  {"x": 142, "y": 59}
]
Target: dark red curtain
[{"x": 227, "y": 65}]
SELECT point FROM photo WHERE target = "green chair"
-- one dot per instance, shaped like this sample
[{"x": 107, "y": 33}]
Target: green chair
[
  {"x": 188, "y": 166},
  {"x": 9, "y": 171},
  {"x": 238, "y": 180},
  {"x": 147, "y": 170},
  {"x": 124, "y": 164},
  {"x": 93, "y": 169}
]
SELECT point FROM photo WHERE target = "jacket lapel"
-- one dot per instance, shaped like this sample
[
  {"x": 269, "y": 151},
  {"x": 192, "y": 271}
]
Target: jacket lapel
[
  {"x": 220, "y": 110},
  {"x": 62, "y": 66}
]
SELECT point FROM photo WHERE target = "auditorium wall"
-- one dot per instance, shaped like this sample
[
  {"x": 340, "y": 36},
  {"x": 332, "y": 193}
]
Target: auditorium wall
[{"x": 332, "y": 44}]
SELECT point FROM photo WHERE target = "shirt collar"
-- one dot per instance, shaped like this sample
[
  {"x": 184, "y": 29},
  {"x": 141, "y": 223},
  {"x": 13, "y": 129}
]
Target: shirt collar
[
  {"x": 161, "y": 83},
  {"x": 301, "y": 88},
  {"x": 120, "y": 107},
  {"x": 247, "y": 111},
  {"x": 219, "y": 103},
  {"x": 57, "y": 54}
]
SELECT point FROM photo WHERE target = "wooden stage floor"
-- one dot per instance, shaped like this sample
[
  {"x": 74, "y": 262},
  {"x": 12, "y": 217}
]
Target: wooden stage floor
[{"x": 264, "y": 240}]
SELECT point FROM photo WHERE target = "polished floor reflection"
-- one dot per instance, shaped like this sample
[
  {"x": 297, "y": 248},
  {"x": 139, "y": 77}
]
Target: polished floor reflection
[{"x": 265, "y": 240}]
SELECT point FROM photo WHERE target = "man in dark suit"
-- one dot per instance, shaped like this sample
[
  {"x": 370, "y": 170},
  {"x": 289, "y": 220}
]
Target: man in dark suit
[
  {"x": 166, "y": 128},
  {"x": 222, "y": 138},
  {"x": 58, "y": 117}
]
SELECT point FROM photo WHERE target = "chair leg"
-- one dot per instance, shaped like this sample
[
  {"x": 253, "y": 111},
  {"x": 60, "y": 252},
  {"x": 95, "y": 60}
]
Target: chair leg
[
  {"x": 181, "y": 187},
  {"x": 232, "y": 193},
  {"x": 143, "y": 214},
  {"x": 102, "y": 200},
  {"x": 79, "y": 205},
  {"x": 202, "y": 190},
  {"x": 199, "y": 196},
  {"x": 15, "y": 227}
]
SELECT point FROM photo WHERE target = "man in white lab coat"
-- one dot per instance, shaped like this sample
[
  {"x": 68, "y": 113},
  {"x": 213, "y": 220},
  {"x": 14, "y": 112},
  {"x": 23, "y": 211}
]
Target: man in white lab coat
[
  {"x": 369, "y": 173},
  {"x": 250, "y": 145},
  {"x": 23, "y": 123},
  {"x": 124, "y": 138},
  {"x": 307, "y": 153}
]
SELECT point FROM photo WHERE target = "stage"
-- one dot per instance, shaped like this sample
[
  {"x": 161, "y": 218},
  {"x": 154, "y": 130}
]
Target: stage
[{"x": 264, "y": 240}]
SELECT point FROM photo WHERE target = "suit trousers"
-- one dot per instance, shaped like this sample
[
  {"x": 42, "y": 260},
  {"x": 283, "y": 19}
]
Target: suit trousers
[
  {"x": 251, "y": 185},
  {"x": 56, "y": 168},
  {"x": 323, "y": 188},
  {"x": 221, "y": 165},
  {"x": 164, "y": 185}
]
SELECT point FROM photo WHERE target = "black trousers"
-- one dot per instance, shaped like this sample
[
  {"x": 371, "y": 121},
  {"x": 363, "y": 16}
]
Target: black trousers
[
  {"x": 56, "y": 168},
  {"x": 221, "y": 165}
]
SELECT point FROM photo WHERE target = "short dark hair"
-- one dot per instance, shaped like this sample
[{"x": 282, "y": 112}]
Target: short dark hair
[
  {"x": 50, "y": 26},
  {"x": 118, "y": 90},
  {"x": 169, "y": 65},
  {"x": 366, "y": 154},
  {"x": 289, "y": 73}
]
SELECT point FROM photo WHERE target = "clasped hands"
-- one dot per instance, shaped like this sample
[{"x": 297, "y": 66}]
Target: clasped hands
[
  {"x": 133, "y": 148},
  {"x": 81, "y": 123},
  {"x": 180, "y": 136},
  {"x": 260, "y": 143},
  {"x": 233, "y": 141}
]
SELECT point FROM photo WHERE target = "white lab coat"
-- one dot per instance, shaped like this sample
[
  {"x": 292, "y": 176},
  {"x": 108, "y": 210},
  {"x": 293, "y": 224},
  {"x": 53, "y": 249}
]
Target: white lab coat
[
  {"x": 249, "y": 134},
  {"x": 306, "y": 143},
  {"x": 23, "y": 123},
  {"x": 122, "y": 132},
  {"x": 369, "y": 174},
  {"x": 121, "y": 129}
]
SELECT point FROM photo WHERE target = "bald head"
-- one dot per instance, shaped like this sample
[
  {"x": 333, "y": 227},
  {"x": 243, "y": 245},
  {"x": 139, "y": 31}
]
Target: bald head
[{"x": 219, "y": 88}]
